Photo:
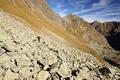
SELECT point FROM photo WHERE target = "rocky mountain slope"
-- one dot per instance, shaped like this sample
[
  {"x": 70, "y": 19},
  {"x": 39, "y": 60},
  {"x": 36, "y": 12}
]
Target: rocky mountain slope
[
  {"x": 111, "y": 30},
  {"x": 43, "y": 7},
  {"x": 43, "y": 56},
  {"x": 39, "y": 21},
  {"x": 91, "y": 37},
  {"x": 34, "y": 47}
]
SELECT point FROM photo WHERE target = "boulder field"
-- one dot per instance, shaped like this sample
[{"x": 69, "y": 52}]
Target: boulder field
[{"x": 28, "y": 55}]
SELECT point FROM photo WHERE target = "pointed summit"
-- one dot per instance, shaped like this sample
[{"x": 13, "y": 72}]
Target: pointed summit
[
  {"x": 72, "y": 16},
  {"x": 95, "y": 22}
]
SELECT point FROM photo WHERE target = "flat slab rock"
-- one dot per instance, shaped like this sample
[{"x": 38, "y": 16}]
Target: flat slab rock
[{"x": 26, "y": 55}]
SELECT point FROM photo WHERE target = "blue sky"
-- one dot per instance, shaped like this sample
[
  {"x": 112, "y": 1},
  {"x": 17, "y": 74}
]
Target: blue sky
[{"x": 90, "y": 10}]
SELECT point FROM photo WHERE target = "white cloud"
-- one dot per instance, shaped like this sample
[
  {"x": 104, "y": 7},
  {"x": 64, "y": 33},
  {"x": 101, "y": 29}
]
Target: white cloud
[
  {"x": 101, "y": 3},
  {"x": 108, "y": 12},
  {"x": 112, "y": 13},
  {"x": 102, "y": 17},
  {"x": 102, "y": 10},
  {"x": 60, "y": 5},
  {"x": 87, "y": 10},
  {"x": 75, "y": 2},
  {"x": 64, "y": 12},
  {"x": 91, "y": 18},
  {"x": 104, "y": 2}
]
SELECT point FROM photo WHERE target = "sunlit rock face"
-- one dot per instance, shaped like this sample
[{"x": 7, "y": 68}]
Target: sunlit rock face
[{"x": 42, "y": 56}]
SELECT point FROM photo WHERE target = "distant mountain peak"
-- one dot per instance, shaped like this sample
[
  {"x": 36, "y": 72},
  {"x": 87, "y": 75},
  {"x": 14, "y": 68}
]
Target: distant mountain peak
[
  {"x": 96, "y": 22},
  {"x": 72, "y": 16}
]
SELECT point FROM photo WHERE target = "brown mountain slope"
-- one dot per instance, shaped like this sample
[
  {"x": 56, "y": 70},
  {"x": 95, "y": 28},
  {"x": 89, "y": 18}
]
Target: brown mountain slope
[
  {"x": 91, "y": 37},
  {"x": 77, "y": 26},
  {"x": 38, "y": 21},
  {"x": 43, "y": 7},
  {"x": 111, "y": 30}
]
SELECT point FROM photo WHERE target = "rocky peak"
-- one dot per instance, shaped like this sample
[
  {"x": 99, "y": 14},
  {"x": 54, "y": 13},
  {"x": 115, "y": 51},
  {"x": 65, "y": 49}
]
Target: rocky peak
[
  {"x": 76, "y": 21},
  {"x": 73, "y": 17},
  {"x": 95, "y": 22}
]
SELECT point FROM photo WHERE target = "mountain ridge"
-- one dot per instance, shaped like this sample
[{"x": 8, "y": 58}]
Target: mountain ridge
[
  {"x": 111, "y": 30},
  {"x": 82, "y": 29}
]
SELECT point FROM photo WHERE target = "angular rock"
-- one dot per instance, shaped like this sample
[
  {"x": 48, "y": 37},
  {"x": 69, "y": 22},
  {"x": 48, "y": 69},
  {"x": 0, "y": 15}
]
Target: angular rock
[
  {"x": 26, "y": 72},
  {"x": 49, "y": 58},
  {"x": 1, "y": 51},
  {"x": 21, "y": 60},
  {"x": 4, "y": 58},
  {"x": 78, "y": 78},
  {"x": 5, "y": 61},
  {"x": 43, "y": 75},
  {"x": 9, "y": 75},
  {"x": 46, "y": 67},
  {"x": 64, "y": 71},
  {"x": 104, "y": 71},
  {"x": 15, "y": 69},
  {"x": 1, "y": 71}
]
